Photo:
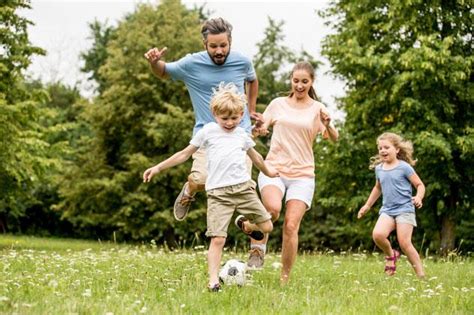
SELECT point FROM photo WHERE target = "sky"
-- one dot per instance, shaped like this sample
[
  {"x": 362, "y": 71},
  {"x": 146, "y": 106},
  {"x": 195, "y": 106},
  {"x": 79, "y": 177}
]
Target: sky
[{"x": 61, "y": 27}]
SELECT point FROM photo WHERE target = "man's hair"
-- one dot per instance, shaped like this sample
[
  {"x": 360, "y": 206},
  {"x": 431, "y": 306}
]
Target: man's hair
[
  {"x": 227, "y": 100},
  {"x": 216, "y": 26}
]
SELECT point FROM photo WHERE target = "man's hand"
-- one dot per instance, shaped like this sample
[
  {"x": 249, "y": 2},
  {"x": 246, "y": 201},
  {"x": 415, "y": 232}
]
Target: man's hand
[
  {"x": 258, "y": 119},
  {"x": 154, "y": 55}
]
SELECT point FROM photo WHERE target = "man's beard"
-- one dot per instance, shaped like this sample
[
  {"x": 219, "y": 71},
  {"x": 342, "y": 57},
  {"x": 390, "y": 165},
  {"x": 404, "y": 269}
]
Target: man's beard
[{"x": 219, "y": 62}]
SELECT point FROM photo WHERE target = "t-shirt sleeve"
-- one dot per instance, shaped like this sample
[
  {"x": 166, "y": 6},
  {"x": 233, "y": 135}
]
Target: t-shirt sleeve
[
  {"x": 177, "y": 70},
  {"x": 408, "y": 170},
  {"x": 269, "y": 113},
  {"x": 249, "y": 143},
  {"x": 199, "y": 139},
  {"x": 251, "y": 74}
]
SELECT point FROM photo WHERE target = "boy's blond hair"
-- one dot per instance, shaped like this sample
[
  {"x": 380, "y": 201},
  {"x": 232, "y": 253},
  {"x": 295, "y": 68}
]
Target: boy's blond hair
[{"x": 227, "y": 100}]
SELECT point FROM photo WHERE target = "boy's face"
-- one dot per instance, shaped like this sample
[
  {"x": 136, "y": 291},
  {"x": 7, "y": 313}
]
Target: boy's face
[{"x": 228, "y": 122}]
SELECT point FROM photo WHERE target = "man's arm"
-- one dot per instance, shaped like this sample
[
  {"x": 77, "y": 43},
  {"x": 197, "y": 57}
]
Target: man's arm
[
  {"x": 157, "y": 66},
  {"x": 252, "y": 101}
]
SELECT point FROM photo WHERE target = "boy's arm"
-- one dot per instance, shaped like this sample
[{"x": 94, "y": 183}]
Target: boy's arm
[
  {"x": 177, "y": 158},
  {"x": 420, "y": 190},
  {"x": 374, "y": 195},
  {"x": 258, "y": 161}
]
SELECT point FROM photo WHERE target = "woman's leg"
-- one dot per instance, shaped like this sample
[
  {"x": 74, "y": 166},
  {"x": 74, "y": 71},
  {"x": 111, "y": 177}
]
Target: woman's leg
[
  {"x": 295, "y": 210},
  {"x": 214, "y": 258},
  {"x": 404, "y": 234}
]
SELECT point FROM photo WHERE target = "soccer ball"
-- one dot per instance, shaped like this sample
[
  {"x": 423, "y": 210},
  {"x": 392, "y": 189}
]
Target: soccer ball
[{"x": 233, "y": 272}]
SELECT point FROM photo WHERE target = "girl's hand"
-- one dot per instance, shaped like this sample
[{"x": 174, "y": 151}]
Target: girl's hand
[
  {"x": 325, "y": 117},
  {"x": 259, "y": 131},
  {"x": 149, "y": 173},
  {"x": 363, "y": 211},
  {"x": 417, "y": 202}
]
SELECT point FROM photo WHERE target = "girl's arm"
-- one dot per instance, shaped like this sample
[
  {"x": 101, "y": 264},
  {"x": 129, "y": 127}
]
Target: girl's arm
[
  {"x": 177, "y": 158},
  {"x": 374, "y": 195},
  {"x": 420, "y": 190},
  {"x": 331, "y": 131},
  {"x": 258, "y": 161}
]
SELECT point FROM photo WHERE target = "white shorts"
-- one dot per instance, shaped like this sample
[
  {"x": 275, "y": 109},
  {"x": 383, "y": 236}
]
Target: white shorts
[{"x": 299, "y": 189}]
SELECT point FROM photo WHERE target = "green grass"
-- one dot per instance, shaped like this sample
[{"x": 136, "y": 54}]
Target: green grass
[{"x": 52, "y": 276}]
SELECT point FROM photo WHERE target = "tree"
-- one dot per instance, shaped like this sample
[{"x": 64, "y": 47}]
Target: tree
[
  {"x": 408, "y": 68},
  {"x": 23, "y": 151},
  {"x": 137, "y": 120}
]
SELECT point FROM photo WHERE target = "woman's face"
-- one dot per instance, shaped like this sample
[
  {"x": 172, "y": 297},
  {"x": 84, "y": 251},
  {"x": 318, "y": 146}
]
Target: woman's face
[{"x": 301, "y": 82}]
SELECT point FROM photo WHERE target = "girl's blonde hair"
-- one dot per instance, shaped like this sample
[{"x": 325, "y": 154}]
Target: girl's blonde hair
[
  {"x": 227, "y": 100},
  {"x": 405, "y": 147}
]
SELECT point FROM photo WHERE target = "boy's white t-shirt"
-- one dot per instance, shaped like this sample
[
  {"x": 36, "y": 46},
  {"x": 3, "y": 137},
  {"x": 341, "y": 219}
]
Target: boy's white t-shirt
[{"x": 226, "y": 154}]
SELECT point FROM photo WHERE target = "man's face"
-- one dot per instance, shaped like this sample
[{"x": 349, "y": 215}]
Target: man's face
[{"x": 218, "y": 47}]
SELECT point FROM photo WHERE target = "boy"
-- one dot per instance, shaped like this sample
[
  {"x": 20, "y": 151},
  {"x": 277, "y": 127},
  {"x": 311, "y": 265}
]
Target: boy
[{"x": 229, "y": 185}]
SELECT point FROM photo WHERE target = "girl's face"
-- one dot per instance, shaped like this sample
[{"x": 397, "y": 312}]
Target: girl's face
[
  {"x": 387, "y": 151},
  {"x": 301, "y": 82}
]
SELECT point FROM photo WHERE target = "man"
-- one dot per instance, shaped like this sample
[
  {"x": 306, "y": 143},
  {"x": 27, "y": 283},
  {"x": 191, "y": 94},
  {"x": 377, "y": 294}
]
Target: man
[{"x": 202, "y": 72}]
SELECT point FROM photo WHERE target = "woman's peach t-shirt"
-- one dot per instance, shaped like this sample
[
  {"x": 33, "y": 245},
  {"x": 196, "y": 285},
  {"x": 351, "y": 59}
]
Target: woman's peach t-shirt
[{"x": 294, "y": 131}]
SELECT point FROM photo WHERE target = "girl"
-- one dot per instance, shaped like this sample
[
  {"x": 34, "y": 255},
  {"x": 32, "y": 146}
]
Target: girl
[
  {"x": 296, "y": 121},
  {"x": 394, "y": 177}
]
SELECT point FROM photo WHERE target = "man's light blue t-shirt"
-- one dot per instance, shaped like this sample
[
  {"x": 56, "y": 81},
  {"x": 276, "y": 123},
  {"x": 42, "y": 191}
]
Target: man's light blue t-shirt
[
  {"x": 201, "y": 75},
  {"x": 396, "y": 188}
]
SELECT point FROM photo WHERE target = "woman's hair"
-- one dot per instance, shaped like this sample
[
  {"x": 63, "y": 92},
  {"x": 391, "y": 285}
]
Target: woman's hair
[
  {"x": 226, "y": 99},
  {"x": 306, "y": 66},
  {"x": 216, "y": 26},
  {"x": 405, "y": 147}
]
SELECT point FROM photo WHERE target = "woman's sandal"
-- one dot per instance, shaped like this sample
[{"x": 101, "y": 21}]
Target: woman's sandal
[{"x": 390, "y": 270}]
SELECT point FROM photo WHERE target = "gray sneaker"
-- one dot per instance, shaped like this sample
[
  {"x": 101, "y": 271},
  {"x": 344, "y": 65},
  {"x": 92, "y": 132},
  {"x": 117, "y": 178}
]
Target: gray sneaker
[
  {"x": 256, "y": 258},
  {"x": 182, "y": 204}
]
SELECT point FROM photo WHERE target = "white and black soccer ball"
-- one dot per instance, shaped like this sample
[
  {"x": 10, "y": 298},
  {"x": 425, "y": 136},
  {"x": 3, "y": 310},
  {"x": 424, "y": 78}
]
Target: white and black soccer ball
[{"x": 233, "y": 272}]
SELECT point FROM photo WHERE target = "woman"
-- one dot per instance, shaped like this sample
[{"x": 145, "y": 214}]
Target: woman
[{"x": 296, "y": 120}]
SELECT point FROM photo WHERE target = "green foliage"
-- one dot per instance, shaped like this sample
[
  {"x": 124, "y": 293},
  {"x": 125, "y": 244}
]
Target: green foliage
[
  {"x": 408, "y": 68},
  {"x": 137, "y": 121},
  {"x": 23, "y": 149}
]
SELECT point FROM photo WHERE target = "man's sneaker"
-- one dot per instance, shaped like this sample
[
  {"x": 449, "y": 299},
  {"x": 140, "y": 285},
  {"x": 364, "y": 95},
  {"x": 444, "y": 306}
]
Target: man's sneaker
[
  {"x": 182, "y": 204},
  {"x": 256, "y": 258},
  {"x": 239, "y": 222},
  {"x": 214, "y": 288}
]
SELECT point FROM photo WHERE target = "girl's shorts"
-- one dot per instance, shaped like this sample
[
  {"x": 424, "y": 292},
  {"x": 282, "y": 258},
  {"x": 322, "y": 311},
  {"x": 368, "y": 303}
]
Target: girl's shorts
[
  {"x": 406, "y": 217},
  {"x": 295, "y": 189}
]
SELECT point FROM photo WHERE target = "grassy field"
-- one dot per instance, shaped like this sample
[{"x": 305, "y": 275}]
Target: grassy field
[{"x": 49, "y": 276}]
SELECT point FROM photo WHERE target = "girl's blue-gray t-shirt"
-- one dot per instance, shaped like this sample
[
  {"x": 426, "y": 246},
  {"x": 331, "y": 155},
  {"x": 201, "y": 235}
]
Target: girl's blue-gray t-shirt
[{"x": 396, "y": 188}]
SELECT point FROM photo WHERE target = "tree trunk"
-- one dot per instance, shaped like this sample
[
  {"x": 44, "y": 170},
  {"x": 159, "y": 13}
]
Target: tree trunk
[{"x": 447, "y": 235}]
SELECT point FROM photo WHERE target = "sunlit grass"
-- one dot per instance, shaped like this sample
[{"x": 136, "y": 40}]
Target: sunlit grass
[{"x": 50, "y": 276}]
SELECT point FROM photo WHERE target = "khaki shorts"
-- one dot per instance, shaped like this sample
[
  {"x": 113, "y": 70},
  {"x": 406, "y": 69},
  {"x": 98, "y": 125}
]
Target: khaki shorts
[
  {"x": 199, "y": 168},
  {"x": 406, "y": 217},
  {"x": 223, "y": 202}
]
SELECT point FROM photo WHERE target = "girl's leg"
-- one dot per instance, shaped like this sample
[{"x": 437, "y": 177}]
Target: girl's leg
[
  {"x": 384, "y": 226},
  {"x": 404, "y": 233},
  {"x": 295, "y": 210},
  {"x": 214, "y": 259}
]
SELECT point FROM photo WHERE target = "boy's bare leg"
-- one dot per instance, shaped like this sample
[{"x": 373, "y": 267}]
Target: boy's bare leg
[{"x": 214, "y": 259}]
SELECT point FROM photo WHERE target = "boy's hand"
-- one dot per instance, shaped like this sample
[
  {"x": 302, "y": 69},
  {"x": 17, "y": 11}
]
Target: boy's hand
[
  {"x": 417, "y": 202},
  {"x": 271, "y": 172},
  {"x": 149, "y": 173},
  {"x": 362, "y": 211},
  {"x": 259, "y": 131},
  {"x": 154, "y": 54}
]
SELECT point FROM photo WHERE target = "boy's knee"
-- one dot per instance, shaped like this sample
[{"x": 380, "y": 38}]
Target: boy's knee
[
  {"x": 218, "y": 240},
  {"x": 195, "y": 182},
  {"x": 266, "y": 227}
]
